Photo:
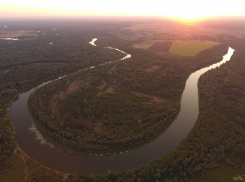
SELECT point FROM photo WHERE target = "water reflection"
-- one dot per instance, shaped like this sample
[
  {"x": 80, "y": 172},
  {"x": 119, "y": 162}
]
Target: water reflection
[
  {"x": 9, "y": 38},
  {"x": 63, "y": 161},
  {"x": 93, "y": 42}
]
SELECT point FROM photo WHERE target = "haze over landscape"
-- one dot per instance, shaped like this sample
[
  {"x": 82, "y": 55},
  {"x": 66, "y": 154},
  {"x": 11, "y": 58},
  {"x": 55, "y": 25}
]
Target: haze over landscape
[
  {"x": 188, "y": 9},
  {"x": 122, "y": 91}
]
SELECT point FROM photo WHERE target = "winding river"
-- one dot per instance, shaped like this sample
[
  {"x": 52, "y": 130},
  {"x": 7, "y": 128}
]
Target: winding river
[{"x": 60, "y": 160}]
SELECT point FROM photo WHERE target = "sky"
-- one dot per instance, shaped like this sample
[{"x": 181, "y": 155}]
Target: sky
[{"x": 182, "y": 9}]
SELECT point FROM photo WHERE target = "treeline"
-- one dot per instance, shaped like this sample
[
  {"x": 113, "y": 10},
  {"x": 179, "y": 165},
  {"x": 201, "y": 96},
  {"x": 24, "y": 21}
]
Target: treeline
[
  {"x": 223, "y": 91},
  {"x": 7, "y": 143}
]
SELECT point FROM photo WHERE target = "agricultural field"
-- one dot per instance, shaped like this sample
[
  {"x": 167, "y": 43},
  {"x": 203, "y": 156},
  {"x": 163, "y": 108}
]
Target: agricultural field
[
  {"x": 146, "y": 44},
  {"x": 168, "y": 30},
  {"x": 160, "y": 47},
  {"x": 182, "y": 48},
  {"x": 190, "y": 48}
]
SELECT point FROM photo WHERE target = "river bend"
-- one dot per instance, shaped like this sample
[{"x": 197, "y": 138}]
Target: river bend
[{"x": 60, "y": 160}]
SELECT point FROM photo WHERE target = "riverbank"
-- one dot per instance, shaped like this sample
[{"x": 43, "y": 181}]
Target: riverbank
[{"x": 153, "y": 150}]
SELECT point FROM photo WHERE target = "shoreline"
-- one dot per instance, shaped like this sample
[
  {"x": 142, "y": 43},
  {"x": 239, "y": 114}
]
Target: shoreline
[{"x": 39, "y": 136}]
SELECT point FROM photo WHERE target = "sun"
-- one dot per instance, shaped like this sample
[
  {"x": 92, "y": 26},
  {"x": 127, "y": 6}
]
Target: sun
[
  {"x": 188, "y": 17},
  {"x": 186, "y": 10}
]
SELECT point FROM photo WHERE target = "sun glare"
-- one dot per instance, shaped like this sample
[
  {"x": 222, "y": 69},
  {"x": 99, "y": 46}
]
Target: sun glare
[{"x": 185, "y": 10}]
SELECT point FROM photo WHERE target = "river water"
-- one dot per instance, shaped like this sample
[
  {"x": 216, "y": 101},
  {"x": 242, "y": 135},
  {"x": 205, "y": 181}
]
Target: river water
[{"x": 60, "y": 160}]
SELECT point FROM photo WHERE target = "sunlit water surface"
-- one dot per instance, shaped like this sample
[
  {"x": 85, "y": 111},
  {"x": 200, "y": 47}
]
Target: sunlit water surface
[{"x": 65, "y": 162}]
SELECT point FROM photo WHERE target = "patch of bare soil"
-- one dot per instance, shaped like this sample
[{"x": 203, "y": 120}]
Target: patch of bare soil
[
  {"x": 160, "y": 47},
  {"x": 121, "y": 130},
  {"x": 96, "y": 127},
  {"x": 110, "y": 90},
  {"x": 153, "y": 98},
  {"x": 65, "y": 176},
  {"x": 62, "y": 95},
  {"x": 101, "y": 87},
  {"x": 146, "y": 44},
  {"x": 53, "y": 106},
  {"x": 153, "y": 68},
  {"x": 73, "y": 87}
]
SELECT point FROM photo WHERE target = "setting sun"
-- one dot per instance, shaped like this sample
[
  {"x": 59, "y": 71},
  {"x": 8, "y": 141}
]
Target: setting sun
[
  {"x": 120, "y": 91},
  {"x": 185, "y": 10}
]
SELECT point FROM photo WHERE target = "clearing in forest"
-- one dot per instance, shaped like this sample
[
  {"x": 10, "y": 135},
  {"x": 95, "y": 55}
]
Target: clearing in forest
[
  {"x": 146, "y": 44},
  {"x": 182, "y": 48},
  {"x": 160, "y": 47},
  {"x": 190, "y": 48}
]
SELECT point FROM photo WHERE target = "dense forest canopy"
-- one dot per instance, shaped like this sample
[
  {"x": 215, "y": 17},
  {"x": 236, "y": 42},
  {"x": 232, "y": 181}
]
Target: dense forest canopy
[{"x": 146, "y": 88}]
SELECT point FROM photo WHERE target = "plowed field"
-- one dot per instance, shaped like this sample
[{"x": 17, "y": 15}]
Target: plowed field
[{"x": 160, "y": 47}]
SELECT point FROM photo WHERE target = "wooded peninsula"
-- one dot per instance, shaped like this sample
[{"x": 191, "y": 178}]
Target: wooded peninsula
[{"x": 122, "y": 106}]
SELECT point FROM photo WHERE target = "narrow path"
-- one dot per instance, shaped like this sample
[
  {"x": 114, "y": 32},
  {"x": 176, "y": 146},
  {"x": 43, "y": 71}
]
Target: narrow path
[
  {"x": 65, "y": 176},
  {"x": 27, "y": 172}
]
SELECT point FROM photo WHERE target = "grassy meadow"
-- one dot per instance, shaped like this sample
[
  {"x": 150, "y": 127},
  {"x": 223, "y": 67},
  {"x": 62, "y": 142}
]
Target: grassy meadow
[
  {"x": 190, "y": 48},
  {"x": 182, "y": 48}
]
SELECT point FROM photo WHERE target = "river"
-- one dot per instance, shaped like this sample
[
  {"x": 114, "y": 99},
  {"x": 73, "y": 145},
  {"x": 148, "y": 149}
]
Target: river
[{"x": 60, "y": 160}]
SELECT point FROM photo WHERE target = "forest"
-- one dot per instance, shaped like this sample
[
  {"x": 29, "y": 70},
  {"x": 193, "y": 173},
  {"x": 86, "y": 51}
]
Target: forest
[
  {"x": 117, "y": 107},
  {"x": 215, "y": 142},
  {"x": 216, "y": 139},
  {"x": 31, "y": 60}
]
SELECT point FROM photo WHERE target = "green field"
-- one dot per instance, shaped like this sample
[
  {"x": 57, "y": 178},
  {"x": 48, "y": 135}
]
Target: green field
[{"x": 190, "y": 48}]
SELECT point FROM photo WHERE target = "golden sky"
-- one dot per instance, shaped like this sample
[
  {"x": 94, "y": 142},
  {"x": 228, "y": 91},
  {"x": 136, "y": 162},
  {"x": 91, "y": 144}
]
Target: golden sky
[{"x": 184, "y": 9}]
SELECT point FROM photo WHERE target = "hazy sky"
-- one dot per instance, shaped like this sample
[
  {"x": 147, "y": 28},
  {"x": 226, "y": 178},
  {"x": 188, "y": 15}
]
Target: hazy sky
[{"x": 186, "y": 9}]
